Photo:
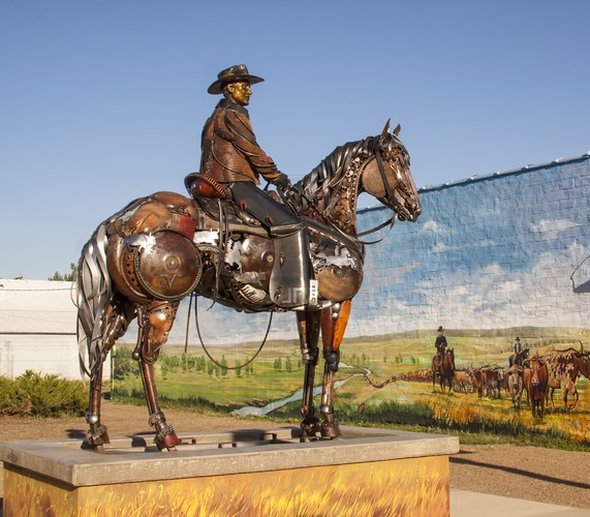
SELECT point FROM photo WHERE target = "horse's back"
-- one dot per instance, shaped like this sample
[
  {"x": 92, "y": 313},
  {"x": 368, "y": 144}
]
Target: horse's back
[{"x": 151, "y": 233}]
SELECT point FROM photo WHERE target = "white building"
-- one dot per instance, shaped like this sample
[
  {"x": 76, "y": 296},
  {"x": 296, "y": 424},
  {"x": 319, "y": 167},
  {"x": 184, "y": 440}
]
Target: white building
[{"x": 38, "y": 329}]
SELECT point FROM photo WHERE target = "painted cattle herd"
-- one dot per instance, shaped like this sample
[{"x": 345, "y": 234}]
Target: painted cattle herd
[{"x": 529, "y": 378}]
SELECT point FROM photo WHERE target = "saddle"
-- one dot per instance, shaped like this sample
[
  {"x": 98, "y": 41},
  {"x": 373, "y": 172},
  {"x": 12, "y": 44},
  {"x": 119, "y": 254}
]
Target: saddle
[
  {"x": 237, "y": 213},
  {"x": 201, "y": 185},
  {"x": 337, "y": 258},
  {"x": 210, "y": 195}
]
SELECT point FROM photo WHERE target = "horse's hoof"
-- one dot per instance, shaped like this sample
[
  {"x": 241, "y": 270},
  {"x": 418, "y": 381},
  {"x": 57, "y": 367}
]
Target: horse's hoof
[
  {"x": 167, "y": 439},
  {"x": 330, "y": 431},
  {"x": 309, "y": 429},
  {"x": 96, "y": 439}
]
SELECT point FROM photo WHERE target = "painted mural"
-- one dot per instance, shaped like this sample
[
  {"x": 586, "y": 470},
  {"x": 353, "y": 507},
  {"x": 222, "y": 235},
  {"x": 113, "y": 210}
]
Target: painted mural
[
  {"x": 492, "y": 252},
  {"x": 492, "y": 259}
]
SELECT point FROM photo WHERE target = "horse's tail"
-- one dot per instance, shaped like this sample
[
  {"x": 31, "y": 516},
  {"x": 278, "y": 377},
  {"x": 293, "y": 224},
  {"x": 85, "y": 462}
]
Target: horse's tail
[{"x": 94, "y": 292}]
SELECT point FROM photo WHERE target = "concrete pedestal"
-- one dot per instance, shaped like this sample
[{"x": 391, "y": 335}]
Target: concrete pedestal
[{"x": 253, "y": 473}]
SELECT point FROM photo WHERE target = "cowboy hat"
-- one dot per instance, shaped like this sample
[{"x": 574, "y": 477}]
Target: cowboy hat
[
  {"x": 440, "y": 329},
  {"x": 232, "y": 74}
]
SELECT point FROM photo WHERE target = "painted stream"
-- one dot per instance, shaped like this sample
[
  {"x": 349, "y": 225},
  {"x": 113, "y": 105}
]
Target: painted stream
[{"x": 298, "y": 395}]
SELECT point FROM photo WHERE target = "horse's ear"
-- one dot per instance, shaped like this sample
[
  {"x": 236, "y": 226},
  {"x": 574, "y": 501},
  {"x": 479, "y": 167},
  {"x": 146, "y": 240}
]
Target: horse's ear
[
  {"x": 581, "y": 347},
  {"x": 397, "y": 130},
  {"x": 386, "y": 128}
]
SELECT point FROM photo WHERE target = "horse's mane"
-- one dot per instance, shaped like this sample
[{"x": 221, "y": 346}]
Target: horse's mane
[{"x": 322, "y": 179}]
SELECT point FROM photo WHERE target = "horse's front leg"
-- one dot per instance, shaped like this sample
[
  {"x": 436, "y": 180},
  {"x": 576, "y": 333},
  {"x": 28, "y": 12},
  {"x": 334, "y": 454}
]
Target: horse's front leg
[
  {"x": 155, "y": 321},
  {"x": 308, "y": 326},
  {"x": 333, "y": 323}
]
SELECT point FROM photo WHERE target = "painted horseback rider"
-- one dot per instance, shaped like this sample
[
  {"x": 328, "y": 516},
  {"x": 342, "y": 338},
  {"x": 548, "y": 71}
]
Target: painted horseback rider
[
  {"x": 520, "y": 353},
  {"x": 232, "y": 163},
  {"x": 440, "y": 345},
  {"x": 517, "y": 346}
]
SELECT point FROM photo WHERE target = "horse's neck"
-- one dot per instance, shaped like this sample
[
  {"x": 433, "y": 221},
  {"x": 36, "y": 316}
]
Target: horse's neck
[
  {"x": 449, "y": 359},
  {"x": 332, "y": 187}
]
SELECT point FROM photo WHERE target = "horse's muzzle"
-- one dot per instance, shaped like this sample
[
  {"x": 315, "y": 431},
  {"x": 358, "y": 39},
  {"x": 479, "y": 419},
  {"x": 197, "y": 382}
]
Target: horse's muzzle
[{"x": 409, "y": 211}]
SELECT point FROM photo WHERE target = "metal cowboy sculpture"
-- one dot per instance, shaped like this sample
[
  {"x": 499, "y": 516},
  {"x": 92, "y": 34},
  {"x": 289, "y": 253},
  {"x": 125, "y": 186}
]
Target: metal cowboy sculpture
[{"x": 237, "y": 245}]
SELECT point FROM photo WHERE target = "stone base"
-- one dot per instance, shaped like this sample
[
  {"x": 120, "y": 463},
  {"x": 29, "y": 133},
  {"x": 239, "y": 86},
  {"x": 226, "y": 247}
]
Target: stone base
[{"x": 254, "y": 472}]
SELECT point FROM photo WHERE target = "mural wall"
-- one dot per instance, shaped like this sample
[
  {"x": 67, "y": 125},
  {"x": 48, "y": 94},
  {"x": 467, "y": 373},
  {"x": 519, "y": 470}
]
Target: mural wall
[
  {"x": 491, "y": 258},
  {"x": 489, "y": 252}
]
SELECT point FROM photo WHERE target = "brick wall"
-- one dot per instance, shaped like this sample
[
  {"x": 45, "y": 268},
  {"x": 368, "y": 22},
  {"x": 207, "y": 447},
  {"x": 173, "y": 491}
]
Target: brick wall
[{"x": 490, "y": 252}]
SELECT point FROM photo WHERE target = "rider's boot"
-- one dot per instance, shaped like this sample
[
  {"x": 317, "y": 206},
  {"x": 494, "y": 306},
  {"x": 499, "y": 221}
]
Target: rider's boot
[{"x": 290, "y": 279}]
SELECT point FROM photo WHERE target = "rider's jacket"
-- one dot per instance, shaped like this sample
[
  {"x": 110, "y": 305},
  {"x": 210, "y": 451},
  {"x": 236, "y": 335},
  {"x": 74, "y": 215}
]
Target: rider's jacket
[
  {"x": 440, "y": 343},
  {"x": 229, "y": 151}
]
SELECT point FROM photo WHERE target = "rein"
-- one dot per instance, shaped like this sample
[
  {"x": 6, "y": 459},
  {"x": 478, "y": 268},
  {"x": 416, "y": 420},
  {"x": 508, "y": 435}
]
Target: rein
[
  {"x": 388, "y": 222},
  {"x": 205, "y": 349},
  {"x": 389, "y": 192}
]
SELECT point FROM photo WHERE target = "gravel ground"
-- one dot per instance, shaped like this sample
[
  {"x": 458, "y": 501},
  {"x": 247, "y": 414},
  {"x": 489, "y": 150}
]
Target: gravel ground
[{"x": 545, "y": 475}]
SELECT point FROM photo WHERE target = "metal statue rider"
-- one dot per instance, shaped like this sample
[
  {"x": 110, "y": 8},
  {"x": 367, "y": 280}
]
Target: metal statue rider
[{"x": 232, "y": 163}]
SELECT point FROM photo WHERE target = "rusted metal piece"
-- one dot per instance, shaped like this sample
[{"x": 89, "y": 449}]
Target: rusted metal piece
[{"x": 170, "y": 268}]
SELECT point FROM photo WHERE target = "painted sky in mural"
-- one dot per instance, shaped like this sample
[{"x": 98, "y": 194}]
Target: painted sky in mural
[
  {"x": 488, "y": 252},
  {"x": 492, "y": 252}
]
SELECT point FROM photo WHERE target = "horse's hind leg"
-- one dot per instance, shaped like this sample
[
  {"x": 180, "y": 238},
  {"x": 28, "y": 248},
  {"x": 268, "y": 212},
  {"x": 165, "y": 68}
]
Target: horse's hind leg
[
  {"x": 155, "y": 321},
  {"x": 308, "y": 326},
  {"x": 118, "y": 315},
  {"x": 333, "y": 323},
  {"x": 97, "y": 435}
]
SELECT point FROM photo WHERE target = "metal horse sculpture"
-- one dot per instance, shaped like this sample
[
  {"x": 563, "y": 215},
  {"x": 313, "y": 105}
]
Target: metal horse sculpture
[{"x": 141, "y": 262}]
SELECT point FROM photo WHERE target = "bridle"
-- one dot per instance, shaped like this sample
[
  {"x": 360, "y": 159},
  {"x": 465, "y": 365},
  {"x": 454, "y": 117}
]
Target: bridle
[{"x": 389, "y": 192}]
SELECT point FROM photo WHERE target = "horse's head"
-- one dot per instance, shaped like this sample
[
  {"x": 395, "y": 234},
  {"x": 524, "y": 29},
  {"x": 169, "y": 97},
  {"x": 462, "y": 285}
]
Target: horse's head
[
  {"x": 451, "y": 357},
  {"x": 388, "y": 176}
]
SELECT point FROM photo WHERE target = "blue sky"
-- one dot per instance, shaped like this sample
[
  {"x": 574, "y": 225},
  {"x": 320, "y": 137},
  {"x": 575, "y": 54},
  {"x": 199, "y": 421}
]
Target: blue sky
[{"x": 102, "y": 102}]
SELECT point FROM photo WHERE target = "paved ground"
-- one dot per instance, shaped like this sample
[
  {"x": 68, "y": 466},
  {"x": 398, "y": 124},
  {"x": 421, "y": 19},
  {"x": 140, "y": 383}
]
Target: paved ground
[
  {"x": 544, "y": 475},
  {"x": 536, "y": 474}
]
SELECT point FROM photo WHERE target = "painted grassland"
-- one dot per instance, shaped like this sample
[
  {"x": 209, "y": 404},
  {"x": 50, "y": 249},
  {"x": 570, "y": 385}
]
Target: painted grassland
[{"x": 376, "y": 389}]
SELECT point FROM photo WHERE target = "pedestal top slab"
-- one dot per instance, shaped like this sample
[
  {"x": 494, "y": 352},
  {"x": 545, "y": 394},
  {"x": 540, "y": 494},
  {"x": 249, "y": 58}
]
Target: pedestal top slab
[{"x": 135, "y": 458}]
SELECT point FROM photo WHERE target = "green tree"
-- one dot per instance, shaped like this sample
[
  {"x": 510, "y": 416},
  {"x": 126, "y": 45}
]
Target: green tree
[
  {"x": 66, "y": 277},
  {"x": 223, "y": 366}
]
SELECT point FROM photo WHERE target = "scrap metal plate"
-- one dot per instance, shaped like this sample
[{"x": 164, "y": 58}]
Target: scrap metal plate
[{"x": 170, "y": 267}]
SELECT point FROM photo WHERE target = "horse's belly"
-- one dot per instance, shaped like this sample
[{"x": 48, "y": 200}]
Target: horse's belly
[
  {"x": 338, "y": 283},
  {"x": 338, "y": 268}
]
